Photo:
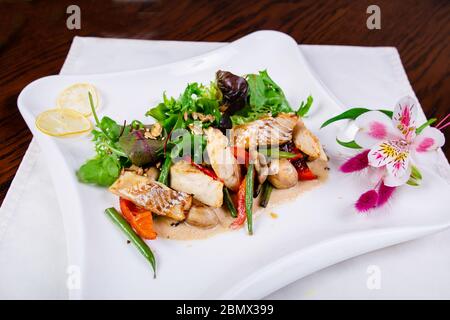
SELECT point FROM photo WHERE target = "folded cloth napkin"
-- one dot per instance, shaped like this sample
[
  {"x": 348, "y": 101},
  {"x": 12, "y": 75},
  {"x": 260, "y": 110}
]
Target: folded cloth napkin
[{"x": 33, "y": 261}]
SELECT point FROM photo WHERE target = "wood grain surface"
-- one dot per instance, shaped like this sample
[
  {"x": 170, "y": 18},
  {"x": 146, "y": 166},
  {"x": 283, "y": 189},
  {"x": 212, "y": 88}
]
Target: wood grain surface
[{"x": 34, "y": 41}]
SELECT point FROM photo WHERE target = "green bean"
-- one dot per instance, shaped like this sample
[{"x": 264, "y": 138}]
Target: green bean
[
  {"x": 249, "y": 197},
  {"x": 286, "y": 155},
  {"x": 134, "y": 238},
  {"x": 266, "y": 192},
  {"x": 229, "y": 202},
  {"x": 164, "y": 175},
  {"x": 276, "y": 153}
]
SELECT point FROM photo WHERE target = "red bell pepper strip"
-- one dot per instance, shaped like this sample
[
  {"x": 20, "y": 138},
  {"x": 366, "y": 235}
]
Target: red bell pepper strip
[
  {"x": 207, "y": 171},
  {"x": 305, "y": 173},
  {"x": 241, "y": 155},
  {"x": 140, "y": 219},
  {"x": 241, "y": 212}
]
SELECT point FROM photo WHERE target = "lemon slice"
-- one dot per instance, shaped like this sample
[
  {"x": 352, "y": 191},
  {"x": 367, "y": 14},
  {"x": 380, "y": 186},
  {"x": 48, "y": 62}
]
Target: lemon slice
[
  {"x": 62, "y": 122},
  {"x": 76, "y": 98}
]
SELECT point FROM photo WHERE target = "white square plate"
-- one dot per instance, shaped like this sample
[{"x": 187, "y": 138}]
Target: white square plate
[{"x": 317, "y": 230}]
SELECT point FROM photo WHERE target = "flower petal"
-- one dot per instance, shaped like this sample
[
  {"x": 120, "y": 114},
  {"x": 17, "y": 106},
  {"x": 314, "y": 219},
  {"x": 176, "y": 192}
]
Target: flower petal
[
  {"x": 374, "y": 126},
  {"x": 395, "y": 181},
  {"x": 429, "y": 139},
  {"x": 356, "y": 163},
  {"x": 368, "y": 200},
  {"x": 404, "y": 118},
  {"x": 384, "y": 194},
  {"x": 400, "y": 165},
  {"x": 387, "y": 152}
]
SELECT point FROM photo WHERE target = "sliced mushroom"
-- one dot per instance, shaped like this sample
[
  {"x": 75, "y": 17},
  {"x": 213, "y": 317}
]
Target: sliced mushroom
[
  {"x": 261, "y": 165},
  {"x": 287, "y": 175},
  {"x": 202, "y": 217},
  {"x": 306, "y": 141},
  {"x": 152, "y": 173}
]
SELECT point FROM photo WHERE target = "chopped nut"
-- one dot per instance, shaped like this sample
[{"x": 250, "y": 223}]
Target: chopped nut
[
  {"x": 148, "y": 135},
  {"x": 223, "y": 108},
  {"x": 138, "y": 170},
  {"x": 185, "y": 116},
  {"x": 195, "y": 128},
  {"x": 210, "y": 118},
  {"x": 202, "y": 117},
  {"x": 156, "y": 130},
  {"x": 152, "y": 173}
]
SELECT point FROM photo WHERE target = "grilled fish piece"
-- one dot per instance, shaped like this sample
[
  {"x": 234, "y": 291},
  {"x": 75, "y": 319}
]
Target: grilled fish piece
[
  {"x": 222, "y": 160},
  {"x": 264, "y": 131},
  {"x": 152, "y": 195},
  {"x": 185, "y": 177},
  {"x": 307, "y": 142}
]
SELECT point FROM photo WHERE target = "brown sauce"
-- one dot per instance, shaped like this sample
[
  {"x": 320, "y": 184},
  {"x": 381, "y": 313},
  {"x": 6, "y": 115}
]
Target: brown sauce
[{"x": 171, "y": 229}]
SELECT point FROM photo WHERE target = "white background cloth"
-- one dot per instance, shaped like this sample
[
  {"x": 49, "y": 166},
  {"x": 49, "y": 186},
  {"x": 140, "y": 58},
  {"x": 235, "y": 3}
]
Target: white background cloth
[{"x": 32, "y": 242}]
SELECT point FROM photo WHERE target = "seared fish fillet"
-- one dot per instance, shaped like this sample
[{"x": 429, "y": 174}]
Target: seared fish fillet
[
  {"x": 185, "y": 177},
  {"x": 264, "y": 131},
  {"x": 307, "y": 142},
  {"x": 222, "y": 160},
  {"x": 152, "y": 195}
]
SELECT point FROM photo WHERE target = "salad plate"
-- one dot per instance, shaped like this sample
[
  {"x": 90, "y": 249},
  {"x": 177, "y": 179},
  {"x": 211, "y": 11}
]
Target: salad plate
[{"x": 314, "y": 231}]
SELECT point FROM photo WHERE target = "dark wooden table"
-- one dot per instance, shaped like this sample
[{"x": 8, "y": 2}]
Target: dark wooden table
[{"x": 34, "y": 41}]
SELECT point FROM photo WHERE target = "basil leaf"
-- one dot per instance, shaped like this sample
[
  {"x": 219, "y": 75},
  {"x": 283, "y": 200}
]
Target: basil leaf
[{"x": 102, "y": 171}]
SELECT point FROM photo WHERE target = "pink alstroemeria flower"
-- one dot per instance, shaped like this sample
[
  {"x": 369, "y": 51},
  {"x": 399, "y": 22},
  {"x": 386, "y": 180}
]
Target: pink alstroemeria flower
[{"x": 393, "y": 142}]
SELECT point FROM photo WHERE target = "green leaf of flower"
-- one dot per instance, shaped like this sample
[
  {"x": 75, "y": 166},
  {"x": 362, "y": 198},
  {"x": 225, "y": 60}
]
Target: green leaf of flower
[
  {"x": 353, "y": 114},
  {"x": 426, "y": 124},
  {"x": 350, "y": 144}
]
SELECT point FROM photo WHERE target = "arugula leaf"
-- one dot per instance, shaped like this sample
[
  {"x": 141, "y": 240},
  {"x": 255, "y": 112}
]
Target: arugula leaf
[
  {"x": 256, "y": 90},
  {"x": 265, "y": 97},
  {"x": 304, "y": 107},
  {"x": 195, "y": 98},
  {"x": 105, "y": 168}
]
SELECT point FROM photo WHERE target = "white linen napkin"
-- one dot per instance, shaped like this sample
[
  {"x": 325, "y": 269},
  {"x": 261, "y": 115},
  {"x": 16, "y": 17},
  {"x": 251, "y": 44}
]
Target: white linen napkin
[{"x": 32, "y": 243}]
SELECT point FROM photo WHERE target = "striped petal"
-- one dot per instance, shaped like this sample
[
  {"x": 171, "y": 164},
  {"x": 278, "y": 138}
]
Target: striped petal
[
  {"x": 391, "y": 180},
  {"x": 374, "y": 127},
  {"x": 404, "y": 118},
  {"x": 428, "y": 140},
  {"x": 394, "y": 155}
]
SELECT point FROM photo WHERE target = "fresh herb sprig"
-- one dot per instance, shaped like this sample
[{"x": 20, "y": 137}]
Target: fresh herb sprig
[
  {"x": 195, "y": 98},
  {"x": 105, "y": 168},
  {"x": 265, "y": 97}
]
